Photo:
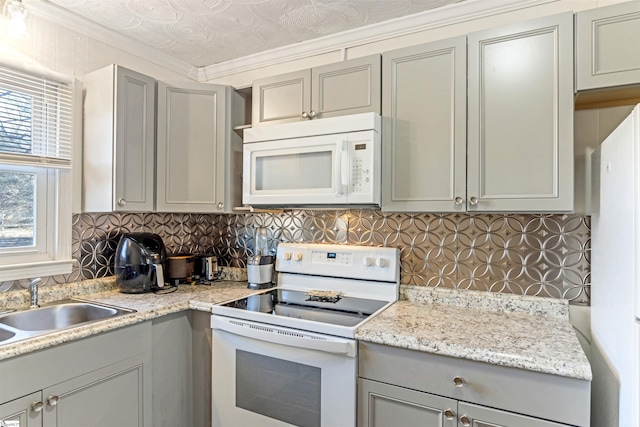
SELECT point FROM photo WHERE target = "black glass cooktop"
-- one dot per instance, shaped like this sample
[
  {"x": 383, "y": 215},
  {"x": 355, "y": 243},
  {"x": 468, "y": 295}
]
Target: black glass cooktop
[{"x": 344, "y": 311}]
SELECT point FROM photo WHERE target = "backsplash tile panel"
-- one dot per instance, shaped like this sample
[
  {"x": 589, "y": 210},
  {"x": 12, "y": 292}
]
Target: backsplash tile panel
[{"x": 545, "y": 255}]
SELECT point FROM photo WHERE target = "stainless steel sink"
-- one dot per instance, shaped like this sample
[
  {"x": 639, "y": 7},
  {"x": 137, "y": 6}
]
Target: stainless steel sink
[
  {"x": 53, "y": 317},
  {"x": 6, "y": 335}
]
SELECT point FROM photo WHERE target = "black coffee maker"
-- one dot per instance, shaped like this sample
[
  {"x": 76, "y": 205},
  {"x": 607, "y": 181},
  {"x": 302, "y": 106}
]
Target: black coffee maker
[{"x": 140, "y": 262}]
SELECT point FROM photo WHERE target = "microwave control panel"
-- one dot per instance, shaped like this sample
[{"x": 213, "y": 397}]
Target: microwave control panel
[{"x": 360, "y": 155}]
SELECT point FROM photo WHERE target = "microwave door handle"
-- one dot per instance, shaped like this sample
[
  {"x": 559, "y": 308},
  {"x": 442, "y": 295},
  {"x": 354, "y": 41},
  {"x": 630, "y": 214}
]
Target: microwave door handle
[{"x": 341, "y": 170}]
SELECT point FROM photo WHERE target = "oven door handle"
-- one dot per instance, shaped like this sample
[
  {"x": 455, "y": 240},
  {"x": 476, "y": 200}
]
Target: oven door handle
[{"x": 287, "y": 337}]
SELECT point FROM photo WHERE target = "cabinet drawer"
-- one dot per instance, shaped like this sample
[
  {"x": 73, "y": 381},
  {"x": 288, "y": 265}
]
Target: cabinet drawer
[{"x": 536, "y": 394}]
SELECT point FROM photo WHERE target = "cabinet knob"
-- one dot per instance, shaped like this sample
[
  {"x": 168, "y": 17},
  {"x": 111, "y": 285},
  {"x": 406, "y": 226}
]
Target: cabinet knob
[
  {"x": 458, "y": 201},
  {"x": 220, "y": 205},
  {"x": 37, "y": 406},
  {"x": 465, "y": 421},
  {"x": 449, "y": 414},
  {"x": 473, "y": 201},
  {"x": 305, "y": 115},
  {"x": 121, "y": 202},
  {"x": 312, "y": 114},
  {"x": 52, "y": 400},
  {"x": 458, "y": 381}
]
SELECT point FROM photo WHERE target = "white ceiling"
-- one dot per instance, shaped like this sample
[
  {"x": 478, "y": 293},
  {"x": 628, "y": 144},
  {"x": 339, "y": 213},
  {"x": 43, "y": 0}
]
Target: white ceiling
[{"x": 207, "y": 32}]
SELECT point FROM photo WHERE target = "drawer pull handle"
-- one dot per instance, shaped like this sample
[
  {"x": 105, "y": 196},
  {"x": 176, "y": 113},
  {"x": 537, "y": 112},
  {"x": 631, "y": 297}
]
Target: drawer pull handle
[
  {"x": 458, "y": 381},
  {"x": 37, "y": 406},
  {"x": 449, "y": 414},
  {"x": 465, "y": 421}
]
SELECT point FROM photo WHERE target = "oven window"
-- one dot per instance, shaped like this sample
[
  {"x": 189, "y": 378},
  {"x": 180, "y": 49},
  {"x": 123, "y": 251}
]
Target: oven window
[
  {"x": 294, "y": 171},
  {"x": 279, "y": 389}
]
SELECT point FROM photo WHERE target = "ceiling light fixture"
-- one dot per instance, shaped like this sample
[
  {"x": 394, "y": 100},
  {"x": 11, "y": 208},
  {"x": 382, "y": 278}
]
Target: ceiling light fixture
[{"x": 16, "y": 15}]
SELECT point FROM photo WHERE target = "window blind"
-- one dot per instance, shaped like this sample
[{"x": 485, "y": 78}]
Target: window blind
[{"x": 35, "y": 120}]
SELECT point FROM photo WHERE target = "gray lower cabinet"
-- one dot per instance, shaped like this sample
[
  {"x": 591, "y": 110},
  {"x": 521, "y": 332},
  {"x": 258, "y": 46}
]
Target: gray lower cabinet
[
  {"x": 100, "y": 381},
  {"x": 424, "y": 111},
  {"x": 196, "y": 149},
  {"x": 347, "y": 87},
  {"x": 386, "y": 405},
  {"x": 20, "y": 412},
  {"x": 182, "y": 370},
  {"x": 410, "y": 388},
  {"x": 520, "y": 117},
  {"x": 608, "y": 46}
]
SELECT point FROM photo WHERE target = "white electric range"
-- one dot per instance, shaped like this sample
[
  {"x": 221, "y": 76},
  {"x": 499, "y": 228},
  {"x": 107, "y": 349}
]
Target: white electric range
[{"x": 287, "y": 356}]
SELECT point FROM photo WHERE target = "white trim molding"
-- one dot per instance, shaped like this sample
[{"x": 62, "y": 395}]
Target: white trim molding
[{"x": 340, "y": 42}]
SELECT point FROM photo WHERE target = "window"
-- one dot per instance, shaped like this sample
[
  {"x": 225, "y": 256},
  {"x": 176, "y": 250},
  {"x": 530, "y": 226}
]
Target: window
[{"x": 35, "y": 175}]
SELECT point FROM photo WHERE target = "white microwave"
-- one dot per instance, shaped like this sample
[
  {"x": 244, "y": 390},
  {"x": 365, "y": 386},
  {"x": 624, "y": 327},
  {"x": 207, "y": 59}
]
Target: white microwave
[{"x": 322, "y": 162}]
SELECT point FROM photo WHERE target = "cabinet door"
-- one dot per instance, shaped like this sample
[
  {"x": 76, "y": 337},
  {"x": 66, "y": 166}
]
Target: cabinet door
[
  {"x": 385, "y": 405},
  {"x": 481, "y": 416},
  {"x": 348, "y": 87},
  {"x": 424, "y": 124},
  {"x": 282, "y": 98},
  {"x": 192, "y": 128},
  {"x": 520, "y": 136},
  {"x": 117, "y": 395},
  {"x": 22, "y": 412},
  {"x": 608, "y": 46},
  {"x": 134, "y": 141}
]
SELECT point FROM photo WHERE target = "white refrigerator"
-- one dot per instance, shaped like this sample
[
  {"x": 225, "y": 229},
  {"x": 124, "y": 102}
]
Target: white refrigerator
[{"x": 615, "y": 278}]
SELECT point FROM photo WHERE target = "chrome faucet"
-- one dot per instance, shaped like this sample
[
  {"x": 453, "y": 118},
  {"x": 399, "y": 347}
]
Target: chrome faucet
[{"x": 33, "y": 290}]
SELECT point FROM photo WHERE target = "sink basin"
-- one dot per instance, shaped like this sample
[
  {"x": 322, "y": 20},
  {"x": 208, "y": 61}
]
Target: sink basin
[
  {"x": 6, "y": 335},
  {"x": 57, "y": 316},
  {"x": 23, "y": 324}
]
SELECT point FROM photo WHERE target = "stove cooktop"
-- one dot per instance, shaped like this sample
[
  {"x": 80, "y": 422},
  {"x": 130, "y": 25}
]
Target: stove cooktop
[{"x": 279, "y": 302}]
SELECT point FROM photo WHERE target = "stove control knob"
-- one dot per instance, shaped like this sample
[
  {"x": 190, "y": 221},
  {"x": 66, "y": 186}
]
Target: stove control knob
[
  {"x": 286, "y": 256},
  {"x": 366, "y": 261},
  {"x": 380, "y": 262},
  {"x": 297, "y": 256}
]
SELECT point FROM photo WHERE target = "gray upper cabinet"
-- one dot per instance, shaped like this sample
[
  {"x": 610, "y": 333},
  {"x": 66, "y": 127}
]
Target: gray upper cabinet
[
  {"x": 520, "y": 117},
  {"x": 424, "y": 123},
  {"x": 194, "y": 148},
  {"x": 282, "y": 98},
  {"x": 119, "y": 141},
  {"x": 608, "y": 46},
  {"x": 347, "y": 87}
]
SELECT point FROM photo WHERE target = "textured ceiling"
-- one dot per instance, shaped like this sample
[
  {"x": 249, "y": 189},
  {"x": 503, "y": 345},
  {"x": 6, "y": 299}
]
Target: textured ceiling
[{"x": 206, "y": 32}]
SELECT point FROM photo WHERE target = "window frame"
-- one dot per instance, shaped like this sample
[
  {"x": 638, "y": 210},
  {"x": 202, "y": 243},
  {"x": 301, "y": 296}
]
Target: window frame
[{"x": 53, "y": 217}]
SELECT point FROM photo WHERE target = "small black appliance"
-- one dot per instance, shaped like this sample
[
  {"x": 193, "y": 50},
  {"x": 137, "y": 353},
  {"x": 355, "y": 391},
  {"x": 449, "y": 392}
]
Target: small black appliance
[{"x": 140, "y": 262}]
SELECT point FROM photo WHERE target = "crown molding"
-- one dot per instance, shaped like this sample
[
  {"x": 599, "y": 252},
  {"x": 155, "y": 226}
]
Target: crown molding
[
  {"x": 51, "y": 12},
  {"x": 429, "y": 19}
]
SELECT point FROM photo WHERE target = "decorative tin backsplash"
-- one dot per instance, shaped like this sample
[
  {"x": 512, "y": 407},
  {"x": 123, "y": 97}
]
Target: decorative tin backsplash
[{"x": 545, "y": 255}]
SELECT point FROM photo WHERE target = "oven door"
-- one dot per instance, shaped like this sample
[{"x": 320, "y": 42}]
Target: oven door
[{"x": 268, "y": 376}]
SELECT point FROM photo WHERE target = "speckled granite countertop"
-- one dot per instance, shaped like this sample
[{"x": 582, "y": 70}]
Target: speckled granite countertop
[
  {"x": 529, "y": 333},
  {"x": 522, "y": 332},
  {"x": 147, "y": 306}
]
